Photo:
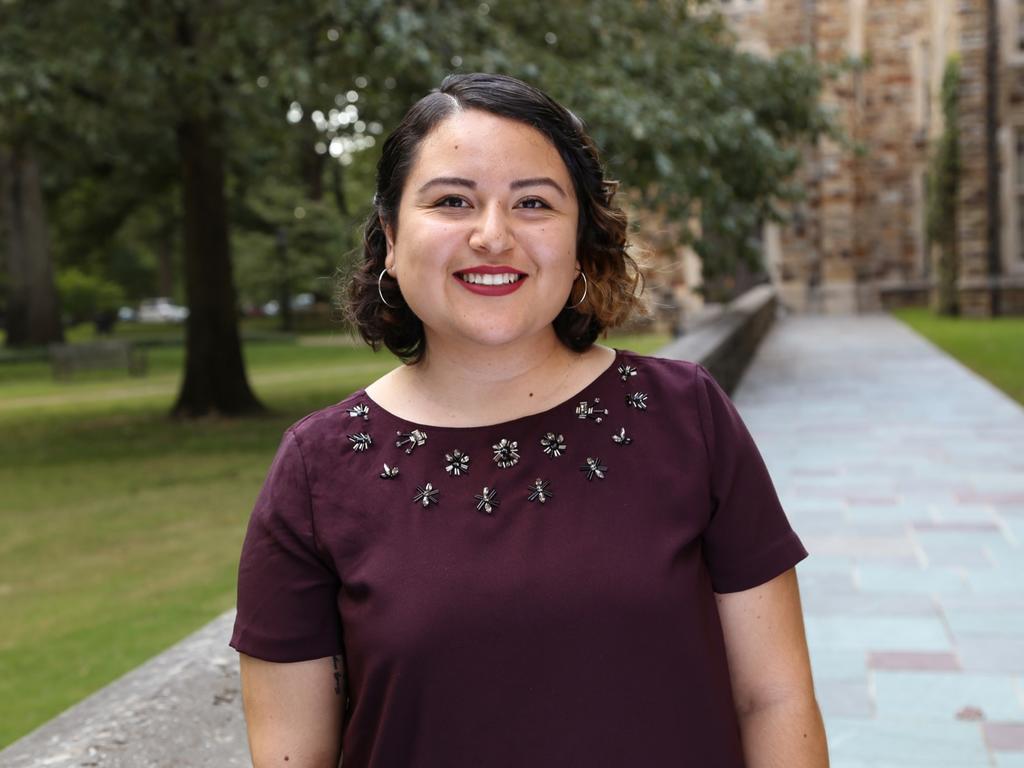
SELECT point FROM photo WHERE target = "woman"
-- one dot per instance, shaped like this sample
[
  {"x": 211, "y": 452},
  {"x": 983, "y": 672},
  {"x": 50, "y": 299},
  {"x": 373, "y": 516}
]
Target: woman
[{"x": 520, "y": 548}]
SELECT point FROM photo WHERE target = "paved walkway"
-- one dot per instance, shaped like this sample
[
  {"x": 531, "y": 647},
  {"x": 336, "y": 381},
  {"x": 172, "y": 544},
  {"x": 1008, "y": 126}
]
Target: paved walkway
[{"x": 903, "y": 473}]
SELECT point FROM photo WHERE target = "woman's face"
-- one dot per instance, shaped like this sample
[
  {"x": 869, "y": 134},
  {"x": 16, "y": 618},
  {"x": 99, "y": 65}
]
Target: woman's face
[{"x": 485, "y": 251}]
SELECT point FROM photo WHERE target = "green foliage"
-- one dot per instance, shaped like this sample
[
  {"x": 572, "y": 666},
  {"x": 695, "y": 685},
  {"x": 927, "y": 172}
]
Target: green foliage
[
  {"x": 84, "y": 296},
  {"x": 943, "y": 187},
  {"x": 694, "y": 126},
  {"x": 291, "y": 240}
]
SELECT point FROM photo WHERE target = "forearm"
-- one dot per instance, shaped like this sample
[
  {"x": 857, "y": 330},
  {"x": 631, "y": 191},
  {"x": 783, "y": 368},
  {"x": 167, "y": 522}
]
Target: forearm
[{"x": 787, "y": 734}]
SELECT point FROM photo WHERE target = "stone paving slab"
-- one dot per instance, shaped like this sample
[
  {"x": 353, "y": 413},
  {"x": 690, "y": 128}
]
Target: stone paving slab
[{"x": 903, "y": 473}]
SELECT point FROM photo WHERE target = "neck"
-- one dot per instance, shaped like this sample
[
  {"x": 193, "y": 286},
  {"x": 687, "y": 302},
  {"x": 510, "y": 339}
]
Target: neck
[{"x": 475, "y": 379}]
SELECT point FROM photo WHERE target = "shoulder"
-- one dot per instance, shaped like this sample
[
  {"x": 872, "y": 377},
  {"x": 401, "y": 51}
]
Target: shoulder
[
  {"x": 326, "y": 428},
  {"x": 678, "y": 376}
]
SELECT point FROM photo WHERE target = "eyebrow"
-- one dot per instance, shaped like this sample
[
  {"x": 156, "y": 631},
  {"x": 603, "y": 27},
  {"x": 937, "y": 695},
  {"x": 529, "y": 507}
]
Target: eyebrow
[{"x": 518, "y": 184}]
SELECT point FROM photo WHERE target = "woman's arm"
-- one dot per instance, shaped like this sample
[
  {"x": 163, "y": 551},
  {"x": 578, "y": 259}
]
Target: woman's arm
[
  {"x": 771, "y": 676},
  {"x": 293, "y": 711}
]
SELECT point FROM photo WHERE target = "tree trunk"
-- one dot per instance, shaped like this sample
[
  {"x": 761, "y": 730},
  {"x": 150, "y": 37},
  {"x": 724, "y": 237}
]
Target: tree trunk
[
  {"x": 33, "y": 308},
  {"x": 215, "y": 379},
  {"x": 311, "y": 163},
  {"x": 284, "y": 283},
  {"x": 338, "y": 187},
  {"x": 165, "y": 258}
]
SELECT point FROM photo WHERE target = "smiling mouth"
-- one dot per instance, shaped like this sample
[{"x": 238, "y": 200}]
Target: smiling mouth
[{"x": 476, "y": 278}]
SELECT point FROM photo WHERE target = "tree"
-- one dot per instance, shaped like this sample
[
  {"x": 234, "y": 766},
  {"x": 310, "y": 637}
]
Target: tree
[
  {"x": 215, "y": 99},
  {"x": 33, "y": 312}
]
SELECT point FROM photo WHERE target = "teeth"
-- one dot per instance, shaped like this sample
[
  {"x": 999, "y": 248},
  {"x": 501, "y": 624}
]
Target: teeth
[{"x": 480, "y": 279}]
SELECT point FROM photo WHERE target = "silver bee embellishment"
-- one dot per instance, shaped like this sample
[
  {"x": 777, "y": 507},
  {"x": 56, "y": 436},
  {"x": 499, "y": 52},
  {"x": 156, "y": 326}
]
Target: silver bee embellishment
[
  {"x": 389, "y": 473},
  {"x": 412, "y": 440},
  {"x": 456, "y": 463},
  {"x": 362, "y": 409},
  {"x": 637, "y": 400},
  {"x": 506, "y": 453},
  {"x": 487, "y": 500},
  {"x": 594, "y": 468},
  {"x": 360, "y": 441},
  {"x": 621, "y": 438},
  {"x": 426, "y": 495},
  {"x": 539, "y": 491},
  {"x": 625, "y": 371},
  {"x": 587, "y": 411},
  {"x": 553, "y": 445}
]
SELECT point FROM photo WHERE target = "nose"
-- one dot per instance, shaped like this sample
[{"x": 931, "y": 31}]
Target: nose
[{"x": 491, "y": 232}]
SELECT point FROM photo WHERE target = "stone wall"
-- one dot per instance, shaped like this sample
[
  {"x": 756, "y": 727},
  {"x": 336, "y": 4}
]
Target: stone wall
[{"x": 861, "y": 228}]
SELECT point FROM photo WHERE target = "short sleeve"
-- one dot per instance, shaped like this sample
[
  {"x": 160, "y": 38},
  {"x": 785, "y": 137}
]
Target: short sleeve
[
  {"x": 748, "y": 539},
  {"x": 287, "y": 589}
]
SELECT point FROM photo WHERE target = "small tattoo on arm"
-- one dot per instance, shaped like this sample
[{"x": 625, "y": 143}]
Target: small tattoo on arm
[{"x": 337, "y": 675}]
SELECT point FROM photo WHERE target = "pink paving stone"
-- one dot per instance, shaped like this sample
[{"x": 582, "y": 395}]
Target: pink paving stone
[
  {"x": 970, "y": 714},
  {"x": 915, "y": 661},
  {"x": 1006, "y": 737}
]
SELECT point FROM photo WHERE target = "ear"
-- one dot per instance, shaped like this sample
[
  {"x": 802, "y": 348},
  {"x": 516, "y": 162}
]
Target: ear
[{"x": 389, "y": 255}]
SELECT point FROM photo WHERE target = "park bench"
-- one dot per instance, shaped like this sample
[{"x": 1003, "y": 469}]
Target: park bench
[{"x": 108, "y": 353}]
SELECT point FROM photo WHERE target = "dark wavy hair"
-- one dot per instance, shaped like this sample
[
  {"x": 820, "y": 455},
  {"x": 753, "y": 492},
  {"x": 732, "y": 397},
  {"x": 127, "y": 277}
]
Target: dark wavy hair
[{"x": 613, "y": 276}]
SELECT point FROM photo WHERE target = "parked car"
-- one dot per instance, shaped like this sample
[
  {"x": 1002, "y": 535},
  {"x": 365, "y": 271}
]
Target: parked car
[
  {"x": 301, "y": 302},
  {"x": 161, "y": 310}
]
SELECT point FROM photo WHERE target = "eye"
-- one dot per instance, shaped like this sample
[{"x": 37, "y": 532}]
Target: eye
[
  {"x": 451, "y": 201},
  {"x": 534, "y": 203}
]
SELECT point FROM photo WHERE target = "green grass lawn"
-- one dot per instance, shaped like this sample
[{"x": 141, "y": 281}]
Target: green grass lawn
[
  {"x": 119, "y": 528},
  {"x": 992, "y": 348}
]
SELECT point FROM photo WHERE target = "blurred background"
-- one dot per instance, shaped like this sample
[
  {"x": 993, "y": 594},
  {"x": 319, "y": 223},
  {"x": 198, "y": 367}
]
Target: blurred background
[{"x": 182, "y": 184}]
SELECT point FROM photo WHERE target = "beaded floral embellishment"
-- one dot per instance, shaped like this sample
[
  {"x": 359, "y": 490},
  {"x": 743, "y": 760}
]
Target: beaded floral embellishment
[
  {"x": 621, "y": 438},
  {"x": 594, "y": 468},
  {"x": 506, "y": 453},
  {"x": 587, "y": 411},
  {"x": 412, "y": 440},
  {"x": 487, "y": 501},
  {"x": 360, "y": 441},
  {"x": 359, "y": 410},
  {"x": 456, "y": 463},
  {"x": 553, "y": 445},
  {"x": 637, "y": 400},
  {"x": 539, "y": 491},
  {"x": 389, "y": 473},
  {"x": 426, "y": 495},
  {"x": 625, "y": 371}
]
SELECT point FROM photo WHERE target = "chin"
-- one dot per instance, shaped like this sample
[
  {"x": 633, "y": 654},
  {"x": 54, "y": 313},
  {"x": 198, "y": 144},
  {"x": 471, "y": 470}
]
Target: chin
[{"x": 498, "y": 337}]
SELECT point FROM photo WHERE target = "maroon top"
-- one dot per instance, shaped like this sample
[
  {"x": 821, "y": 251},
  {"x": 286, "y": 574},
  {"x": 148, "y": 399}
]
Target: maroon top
[{"x": 537, "y": 592}]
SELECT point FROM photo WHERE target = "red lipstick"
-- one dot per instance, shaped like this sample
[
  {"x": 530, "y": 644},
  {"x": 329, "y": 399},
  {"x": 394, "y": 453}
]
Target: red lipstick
[{"x": 490, "y": 288}]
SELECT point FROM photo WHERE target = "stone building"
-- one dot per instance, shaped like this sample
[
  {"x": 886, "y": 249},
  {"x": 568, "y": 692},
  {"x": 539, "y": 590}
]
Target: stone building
[{"x": 858, "y": 241}]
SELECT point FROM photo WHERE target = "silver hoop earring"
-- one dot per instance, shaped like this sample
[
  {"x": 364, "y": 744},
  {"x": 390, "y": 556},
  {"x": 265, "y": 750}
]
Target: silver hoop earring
[
  {"x": 584, "y": 296},
  {"x": 381, "y": 293}
]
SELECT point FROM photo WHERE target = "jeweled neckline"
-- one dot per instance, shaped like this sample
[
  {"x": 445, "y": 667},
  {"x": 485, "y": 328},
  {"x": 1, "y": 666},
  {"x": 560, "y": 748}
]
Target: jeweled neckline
[{"x": 617, "y": 360}]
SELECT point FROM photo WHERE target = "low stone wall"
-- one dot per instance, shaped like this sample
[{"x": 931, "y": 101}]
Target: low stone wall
[
  {"x": 183, "y": 708},
  {"x": 726, "y": 344}
]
